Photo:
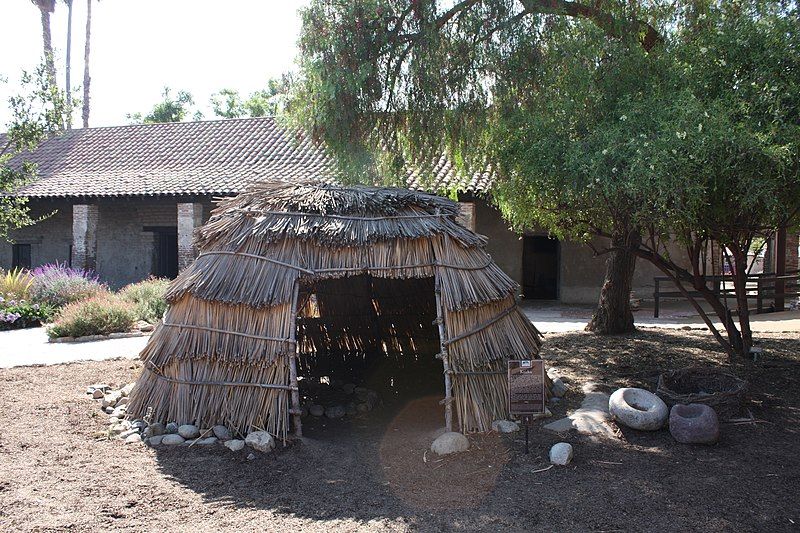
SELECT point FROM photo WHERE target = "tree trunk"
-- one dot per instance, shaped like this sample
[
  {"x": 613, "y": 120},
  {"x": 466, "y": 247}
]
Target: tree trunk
[
  {"x": 68, "y": 66},
  {"x": 45, "y": 8},
  {"x": 86, "y": 79},
  {"x": 613, "y": 314}
]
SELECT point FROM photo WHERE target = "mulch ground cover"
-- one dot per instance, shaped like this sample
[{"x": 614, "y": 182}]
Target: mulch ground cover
[{"x": 375, "y": 473}]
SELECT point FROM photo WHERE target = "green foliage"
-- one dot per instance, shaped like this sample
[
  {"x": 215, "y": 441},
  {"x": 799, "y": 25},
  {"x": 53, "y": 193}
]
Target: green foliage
[
  {"x": 101, "y": 314},
  {"x": 169, "y": 109},
  {"x": 39, "y": 111},
  {"x": 147, "y": 297},
  {"x": 20, "y": 313},
  {"x": 15, "y": 284},
  {"x": 667, "y": 120},
  {"x": 227, "y": 103}
]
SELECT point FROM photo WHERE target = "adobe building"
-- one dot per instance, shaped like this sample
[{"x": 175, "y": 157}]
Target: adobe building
[{"x": 124, "y": 201}]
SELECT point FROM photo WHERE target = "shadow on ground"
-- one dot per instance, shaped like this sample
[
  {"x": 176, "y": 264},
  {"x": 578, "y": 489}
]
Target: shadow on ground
[{"x": 374, "y": 471}]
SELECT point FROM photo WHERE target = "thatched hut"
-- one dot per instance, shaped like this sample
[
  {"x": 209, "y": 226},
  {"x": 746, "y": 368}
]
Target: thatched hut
[{"x": 288, "y": 273}]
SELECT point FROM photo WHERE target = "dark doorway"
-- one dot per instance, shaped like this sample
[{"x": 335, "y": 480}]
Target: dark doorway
[
  {"x": 373, "y": 332},
  {"x": 21, "y": 256},
  {"x": 165, "y": 251},
  {"x": 540, "y": 267}
]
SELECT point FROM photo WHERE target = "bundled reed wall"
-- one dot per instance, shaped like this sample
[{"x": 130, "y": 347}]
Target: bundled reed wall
[{"x": 322, "y": 261}]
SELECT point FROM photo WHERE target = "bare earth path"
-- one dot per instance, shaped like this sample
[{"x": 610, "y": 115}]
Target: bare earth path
[{"x": 371, "y": 474}]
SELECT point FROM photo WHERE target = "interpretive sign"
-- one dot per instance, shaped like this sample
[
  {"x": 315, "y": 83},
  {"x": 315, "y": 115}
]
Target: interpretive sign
[{"x": 526, "y": 388}]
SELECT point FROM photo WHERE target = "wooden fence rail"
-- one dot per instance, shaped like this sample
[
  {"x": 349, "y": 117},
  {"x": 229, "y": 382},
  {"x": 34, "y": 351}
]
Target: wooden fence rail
[{"x": 760, "y": 287}]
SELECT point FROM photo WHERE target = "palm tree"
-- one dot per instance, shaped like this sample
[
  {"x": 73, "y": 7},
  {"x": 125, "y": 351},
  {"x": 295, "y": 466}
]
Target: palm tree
[
  {"x": 68, "y": 68},
  {"x": 45, "y": 8},
  {"x": 86, "y": 79}
]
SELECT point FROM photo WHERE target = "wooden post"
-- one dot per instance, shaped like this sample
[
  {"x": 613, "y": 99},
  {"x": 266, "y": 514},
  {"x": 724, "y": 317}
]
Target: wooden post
[
  {"x": 448, "y": 399},
  {"x": 298, "y": 425},
  {"x": 780, "y": 269}
]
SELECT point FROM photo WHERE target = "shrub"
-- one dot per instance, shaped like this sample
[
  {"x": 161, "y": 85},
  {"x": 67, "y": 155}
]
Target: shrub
[
  {"x": 15, "y": 314},
  {"x": 147, "y": 297},
  {"x": 57, "y": 285},
  {"x": 15, "y": 284},
  {"x": 100, "y": 314}
]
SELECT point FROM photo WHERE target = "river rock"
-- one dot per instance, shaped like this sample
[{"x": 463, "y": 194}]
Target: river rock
[
  {"x": 505, "y": 426},
  {"x": 172, "y": 427},
  {"x": 155, "y": 429},
  {"x": 98, "y": 393},
  {"x": 133, "y": 438},
  {"x": 155, "y": 440},
  {"x": 188, "y": 431},
  {"x": 316, "y": 410},
  {"x": 450, "y": 442},
  {"x": 335, "y": 411},
  {"x": 126, "y": 390},
  {"x": 119, "y": 412},
  {"x": 111, "y": 399},
  {"x": 260, "y": 441},
  {"x": 221, "y": 432},
  {"x": 172, "y": 439},
  {"x": 561, "y": 453},
  {"x": 234, "y": 445},
  {"x": 102, "y": 387},
  {"x": 559, "y": 388}
]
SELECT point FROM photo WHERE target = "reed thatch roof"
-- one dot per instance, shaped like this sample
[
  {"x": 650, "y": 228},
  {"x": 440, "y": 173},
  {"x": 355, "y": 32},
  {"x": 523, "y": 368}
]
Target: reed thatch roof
[{"x": 288, "y": 270}]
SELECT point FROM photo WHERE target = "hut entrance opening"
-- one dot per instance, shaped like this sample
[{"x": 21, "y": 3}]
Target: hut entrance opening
[{"x": 374, "y": 333}]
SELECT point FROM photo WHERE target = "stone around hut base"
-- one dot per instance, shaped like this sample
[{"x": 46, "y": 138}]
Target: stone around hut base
[
  {"x": 561, "y": 453},
  {"x": 505, "y": 426},
  {"x": 695, "y": 423},
  {"x": 155, "y": 429},
  {"x": 98, "y": 393},
  {"x": 260, "y": 441},
  {"x": 221, "y": 432},
  {"x": 188, "y": 431},
  {"x": 172, "y": 427},
  {"x": 559, "y": 388},
  {"x": 234, "y": 445},
  {"x": 206, "y": 441},
  {"x": 450, "y": 442},
  {"x": 335, "y": 411},
  {"x": 316, "y": 410},
  {"x": 133, "y": 438},
  {"x": 155, "y": 440},
  {"x": 638, "y": 409},
  {"x": 172, "y": 439}
]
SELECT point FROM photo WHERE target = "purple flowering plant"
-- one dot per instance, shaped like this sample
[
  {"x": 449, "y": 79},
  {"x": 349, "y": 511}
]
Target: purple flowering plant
[
  {"x": 16, "y": 314},
  {"x": 57, "y": 284}
]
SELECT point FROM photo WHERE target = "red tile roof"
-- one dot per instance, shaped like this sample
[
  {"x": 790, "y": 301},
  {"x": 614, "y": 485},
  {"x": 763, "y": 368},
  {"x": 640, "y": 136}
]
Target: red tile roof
[{"x": 217, "y": 157}]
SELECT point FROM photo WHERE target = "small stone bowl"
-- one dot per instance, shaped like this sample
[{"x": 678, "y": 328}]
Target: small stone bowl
[{"x": 695, "y": 423}]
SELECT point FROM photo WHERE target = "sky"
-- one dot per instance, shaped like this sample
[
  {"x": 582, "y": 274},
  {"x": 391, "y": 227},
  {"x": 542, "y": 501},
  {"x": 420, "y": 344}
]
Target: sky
[{"x": 140, "y": 46}]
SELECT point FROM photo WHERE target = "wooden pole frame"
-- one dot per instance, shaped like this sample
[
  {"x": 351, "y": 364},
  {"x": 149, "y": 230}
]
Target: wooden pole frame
[
  {"x": 443, "y": 355},
  {"x": 295, "y": 391}
]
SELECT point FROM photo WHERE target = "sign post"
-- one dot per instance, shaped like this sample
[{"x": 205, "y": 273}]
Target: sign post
[{"x": 526, "y": 391}]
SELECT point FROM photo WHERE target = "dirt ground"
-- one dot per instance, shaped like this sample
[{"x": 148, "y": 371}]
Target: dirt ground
[{"x": 372, "y": 474}]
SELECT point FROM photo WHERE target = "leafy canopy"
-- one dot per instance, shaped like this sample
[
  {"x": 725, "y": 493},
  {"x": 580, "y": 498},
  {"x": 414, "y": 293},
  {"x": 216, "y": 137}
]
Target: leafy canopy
[
  {"x": 38, "y": 112},
  {"x": 169, "y": 109},
  {"x": 227, "y": 103}
]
